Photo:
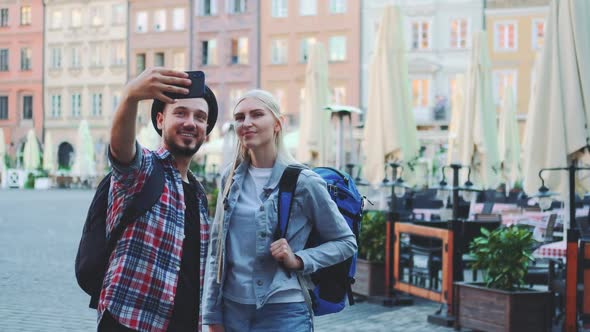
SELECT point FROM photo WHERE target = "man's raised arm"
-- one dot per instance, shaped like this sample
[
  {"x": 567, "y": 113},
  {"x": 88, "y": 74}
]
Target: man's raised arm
[{"x": 150, "y": 84}]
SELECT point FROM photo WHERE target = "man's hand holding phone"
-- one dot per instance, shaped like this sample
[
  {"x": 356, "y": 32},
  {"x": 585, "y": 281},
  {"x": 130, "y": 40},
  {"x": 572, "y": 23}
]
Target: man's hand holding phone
[{"x": 158, "y": 83}]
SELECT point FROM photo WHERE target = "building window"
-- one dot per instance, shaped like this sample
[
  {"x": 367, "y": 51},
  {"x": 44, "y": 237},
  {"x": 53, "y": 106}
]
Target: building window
[
  {"x": 27, "y": 107},
  {"x": 160, "y": 20},
  {"x": 308, "y": 7},
  {"x": 459, "y": 33},
  {"x": 179, "y": 61},
  {"x": 159, "y": 60},
  {"x": 55, "y": 57},
  {"x": 55, "y": 106},
  {"x": 278, "y": 51},
  {"x": 76, "y": 18},
  {"x": 116, "y": 100},
  {"x": 76, "y": 57},
  {"x": 118, "y": 56},
  {"x": 338, "y": 95},
  {"x": 141, "y": 19},
  {"x": 538, "y": 34},
  {"x": 3, "y": 107},
  {"x": 76, "y": 105},
  {"x": 501, "y": 80},
  {"x": 96, "y": 104},
  {"x": 95, "y": 55},
  {"x": 239, "y": 51},
  {"x": 234, "y": 96},
  {"x": 337, "y": 6},
  {"x": 338, "y": 48},
  {"x": 25, "y": 58},
  {"x": 119, "y": 14},
  {"x": 56, "y": 19},
  {"x": 420, "y": 35},
  {"x": 236, "y": 6},
  {"x": 209, "y": 52},
  {"x": 178, "y": 19},
  {"x": 4, "y": 59},
  {"x": 25, "y": 15},
  {"x": 208, "y": 7},
  {"x": 420, "y": 93},
  {"x": 304, "y": 48},
  {"x": 279, "y": 8},
  {"x": 505, "y": 38},
  {"x": 96, "y": 17},
  {"x": 3, "y": 17},
  {"x": 139, "y": 63}
]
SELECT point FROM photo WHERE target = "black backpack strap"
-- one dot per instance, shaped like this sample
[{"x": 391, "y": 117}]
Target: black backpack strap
[
  {"x": 287, "y": 186},
  {"x": 140, "y": 204}
]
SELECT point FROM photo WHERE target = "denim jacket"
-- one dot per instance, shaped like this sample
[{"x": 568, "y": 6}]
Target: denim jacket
[{"x": 312, "y": 209}]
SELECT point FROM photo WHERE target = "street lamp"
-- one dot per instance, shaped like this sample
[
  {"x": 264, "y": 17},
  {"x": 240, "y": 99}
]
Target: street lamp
[{"x": 544, "y": 196}]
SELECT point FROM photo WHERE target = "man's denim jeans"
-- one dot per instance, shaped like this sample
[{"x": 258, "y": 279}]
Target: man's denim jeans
[{"x": 272, "y": 317}]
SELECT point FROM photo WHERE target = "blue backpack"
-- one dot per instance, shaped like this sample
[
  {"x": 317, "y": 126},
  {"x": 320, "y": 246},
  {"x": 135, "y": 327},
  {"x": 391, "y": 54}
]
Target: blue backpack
[{"x": 332, "y": 285}]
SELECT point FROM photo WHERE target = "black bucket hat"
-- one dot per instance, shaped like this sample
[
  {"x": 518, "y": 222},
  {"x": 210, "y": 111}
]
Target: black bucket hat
[{"x": 209, "y": 96}]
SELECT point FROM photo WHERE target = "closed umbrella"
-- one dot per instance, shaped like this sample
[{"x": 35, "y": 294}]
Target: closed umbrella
[
  {"x": 557, "y": 130},
  {"x": 148, "y": 137},
  {"x": 315, "y": 139},
  {"x": 477, "y": 135},
  {"x": 84, "y": 162},
  {"x": 509, "y": 140},
  {"x": 48, "y": 160},
  {"x": 390, "y": 128},
  {"x": 31, "y": 153},
  {"x": 457, "y": 104}
]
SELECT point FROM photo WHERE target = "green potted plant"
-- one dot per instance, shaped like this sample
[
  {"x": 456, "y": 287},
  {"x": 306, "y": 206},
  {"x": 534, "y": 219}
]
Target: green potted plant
[
  {"x": 501, "y": 302},
  {"x": 370, "y": 268}
]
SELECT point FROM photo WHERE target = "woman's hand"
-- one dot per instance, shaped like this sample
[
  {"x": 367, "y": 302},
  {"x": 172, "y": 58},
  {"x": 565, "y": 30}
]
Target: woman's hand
[
  {"x": 282, "y": 253},
  {"x": 216, "y": 328}
]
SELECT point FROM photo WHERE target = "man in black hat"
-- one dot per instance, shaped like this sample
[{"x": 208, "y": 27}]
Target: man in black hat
[{"x": 154, "y": 274}]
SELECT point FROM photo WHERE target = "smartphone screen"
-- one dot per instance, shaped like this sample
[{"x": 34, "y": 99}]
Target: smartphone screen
[{"x": 197, "y": 88}]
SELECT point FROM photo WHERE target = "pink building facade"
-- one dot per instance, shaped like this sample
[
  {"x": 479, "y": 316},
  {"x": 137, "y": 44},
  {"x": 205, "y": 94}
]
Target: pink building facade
[
  {"x": 21, "y": 71},
  {"x": 225, "y": 40},
  {"x": 159, "y": 36}
]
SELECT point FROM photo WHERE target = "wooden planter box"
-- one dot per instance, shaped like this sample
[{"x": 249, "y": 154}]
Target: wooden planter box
[
  {"x": 370, "y": 278},
  {"x": 485, "y": 309}
]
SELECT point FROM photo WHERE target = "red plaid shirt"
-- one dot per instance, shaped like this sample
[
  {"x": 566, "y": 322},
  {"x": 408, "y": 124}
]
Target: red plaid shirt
[{"x": 140, "y": 284}]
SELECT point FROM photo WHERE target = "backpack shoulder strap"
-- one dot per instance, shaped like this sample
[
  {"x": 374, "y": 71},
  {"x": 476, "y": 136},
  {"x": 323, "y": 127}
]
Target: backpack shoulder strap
[
  {"x": 141, "y": 202},
  {"x": 287, "y": 186}
]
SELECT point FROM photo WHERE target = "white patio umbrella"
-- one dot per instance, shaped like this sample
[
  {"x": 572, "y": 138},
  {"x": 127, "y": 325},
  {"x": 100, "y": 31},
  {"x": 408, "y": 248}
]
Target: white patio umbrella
[
  {"x": 477, "y": 135},
  {"x": 509, "y": 141},
  {"x": 557, "y": 131},
  {"x": 84, "y": 162},
  {"x": 148, "y": 137},
  {"x": 48, "y": 156},
  {"x": 390, "y": 127},
  {"x": 457, "y": 105},
  {"x": 559, "y": 105},
  {"x": 31, "y": 153},
  {"x": 315, "y": 139},
  {"x": 229, "y": 144}
]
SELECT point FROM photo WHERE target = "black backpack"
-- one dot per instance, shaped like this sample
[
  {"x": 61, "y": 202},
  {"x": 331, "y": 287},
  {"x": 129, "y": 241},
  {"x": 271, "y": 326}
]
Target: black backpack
[{"x": 94, "y": 251}]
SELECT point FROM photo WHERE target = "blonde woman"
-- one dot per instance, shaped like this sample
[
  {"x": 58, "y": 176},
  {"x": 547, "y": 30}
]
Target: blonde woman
[{"x": 251, "y": 281}]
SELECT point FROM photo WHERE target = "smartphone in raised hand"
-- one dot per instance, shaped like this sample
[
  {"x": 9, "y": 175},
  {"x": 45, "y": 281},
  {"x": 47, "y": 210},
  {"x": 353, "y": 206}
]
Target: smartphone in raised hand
[{"x": 197, "y": 88}]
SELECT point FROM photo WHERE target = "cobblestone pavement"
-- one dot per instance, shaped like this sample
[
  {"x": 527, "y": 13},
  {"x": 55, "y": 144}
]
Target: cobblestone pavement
[{"x": 39, "y": 234}]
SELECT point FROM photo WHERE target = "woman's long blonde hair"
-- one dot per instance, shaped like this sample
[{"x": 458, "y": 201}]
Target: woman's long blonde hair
[{"x": 243, "y": 154}]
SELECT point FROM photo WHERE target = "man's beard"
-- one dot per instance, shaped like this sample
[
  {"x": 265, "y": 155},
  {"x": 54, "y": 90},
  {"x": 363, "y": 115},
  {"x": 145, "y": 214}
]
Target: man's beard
[{"x": 177, "y": 150}]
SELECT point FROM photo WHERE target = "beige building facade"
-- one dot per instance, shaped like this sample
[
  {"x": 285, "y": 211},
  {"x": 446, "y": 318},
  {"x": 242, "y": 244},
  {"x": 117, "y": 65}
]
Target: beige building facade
[
  {"x": 516, "y": 33},
  {"x": 85, "y": 71},
  {"x": 159, "y": 36},
  {"x": 286, "y": 30}
]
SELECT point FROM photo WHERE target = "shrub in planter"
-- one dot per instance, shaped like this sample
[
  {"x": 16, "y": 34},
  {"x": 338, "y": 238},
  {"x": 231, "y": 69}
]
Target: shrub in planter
[
  {"x": 501, "y": 303},
  {"x": 370, "y": 271}
]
